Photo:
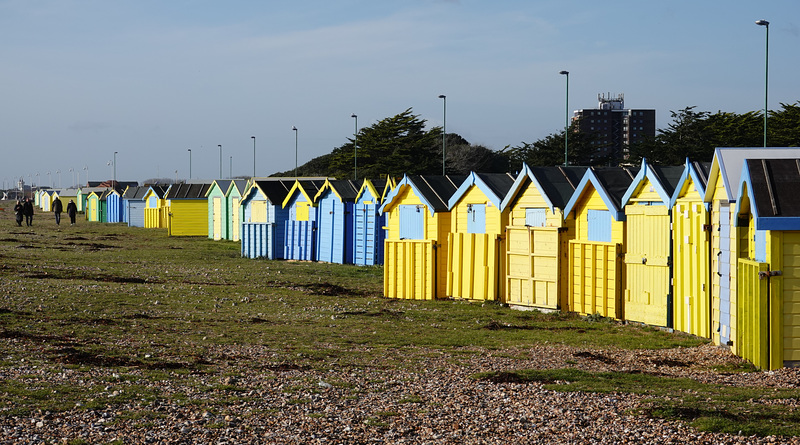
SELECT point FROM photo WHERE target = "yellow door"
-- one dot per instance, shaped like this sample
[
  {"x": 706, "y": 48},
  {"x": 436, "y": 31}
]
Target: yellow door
[
  {"x": 472, "y": 266},
  {"x": 753, "y": 312},
  {"x": 533, "y": 266},
  {"x": 217, "y": 217},
  {"x": 235, "y": 223},
  {"x": 409, "y": 269},
  {"x": 691, "y": 280},
  {"x": 647, "y": 264},
  {"x": 595, "y": 274}
]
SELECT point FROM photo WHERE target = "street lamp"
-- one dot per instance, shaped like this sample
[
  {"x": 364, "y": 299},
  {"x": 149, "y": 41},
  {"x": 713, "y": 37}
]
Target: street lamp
[
  {"x": 86, "y": 167},
  {"x": 355, "y": 148},
  {"x": 765, "y": 24},
  {"x": 444, "y": 130},
  {"x": 50, "y": 179},
  {"x": 190, "y": 162},
  {"x": 566, "y": 121},
  {"x": 74, "y": 182},
  {"x": 220, "y": 160},
  {"x": 230, "y": 168},
  {"x": 254, "y": 155},
  {"x": 295, "y": 150},
  {"x": 58, "y": 172},
  {"x": 114, "y": 184}
]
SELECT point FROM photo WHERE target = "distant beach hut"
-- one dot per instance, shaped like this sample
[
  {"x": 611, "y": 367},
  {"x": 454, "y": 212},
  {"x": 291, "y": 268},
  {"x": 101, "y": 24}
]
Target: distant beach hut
[
  {"x": 264, "y": 218},
  {"x": 299, "y": 235},
  {"x": 335, "y": 203},
  {"x": 155, "y": 207},
  {"x": 187, "y": 209},
  {"x": 369, "y": 224},
  {"x": 217, "y": 209}
]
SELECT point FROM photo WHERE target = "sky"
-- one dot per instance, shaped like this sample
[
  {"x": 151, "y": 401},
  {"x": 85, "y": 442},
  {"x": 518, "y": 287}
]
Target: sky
[{"x": 153, "y": 79}]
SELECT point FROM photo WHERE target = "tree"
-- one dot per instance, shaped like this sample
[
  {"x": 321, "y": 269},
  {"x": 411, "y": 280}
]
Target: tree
[{"x": 582, "y": 150}]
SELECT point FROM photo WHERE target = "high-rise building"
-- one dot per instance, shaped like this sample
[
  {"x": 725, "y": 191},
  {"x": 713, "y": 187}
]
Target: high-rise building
[{"x": 614, "y": 126}]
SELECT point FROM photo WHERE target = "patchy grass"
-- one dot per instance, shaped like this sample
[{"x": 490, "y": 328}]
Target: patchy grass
[{"x": 709, "y": 407}]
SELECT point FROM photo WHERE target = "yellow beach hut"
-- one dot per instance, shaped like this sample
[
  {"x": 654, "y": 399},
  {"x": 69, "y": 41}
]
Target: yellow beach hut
[
  {"x": 723, "y": 178},
  {"x": 475, "y": 242},
  {"x": 187, "y": 209},
  {"x": 538, "y": 235},
  {"x": 691, "y": 251},
  {"x": 647, "y": 295},
  {"x": 767, "y": 217},
  {"x": 155, "y": 207},
  {"x": 418, "y": 223},
  {"x": 596, "y": 270}
]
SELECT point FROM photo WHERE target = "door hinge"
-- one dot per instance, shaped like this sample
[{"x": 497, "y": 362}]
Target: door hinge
[{"x": 769, "y": 273}]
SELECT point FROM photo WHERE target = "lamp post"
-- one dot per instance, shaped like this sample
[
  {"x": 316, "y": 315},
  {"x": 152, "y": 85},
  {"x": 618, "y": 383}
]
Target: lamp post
[
  {"x": 566, "y": 121},
  {"x": 254, "y": 155},
  {"x": 295, "y": 150},
  {"x": 114, "y": 184},
  {"x": 355, "y": 148},
  {"x": 50, "y": 179},
  {"x": 230, "y": 168},
  {"x": 86, "y": 167},
  {"x": 58, "y": 172},
  {"x": 765, "y": 24},
  {"x": 444, "y": 130},
  {"x": 190, "y": 162},
  {"x": 74, "y": 182},
  {"x": 220, "y": 160}
]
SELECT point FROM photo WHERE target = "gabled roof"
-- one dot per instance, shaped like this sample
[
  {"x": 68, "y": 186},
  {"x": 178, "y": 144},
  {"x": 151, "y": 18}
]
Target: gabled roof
[
  {"x": 695, "y": 171},
  {"x": 237, "y": 185},
  {"x": 157, "y": 189},
  {"x": 308, "y": 187},
  {"x": 494, "y": 185},
  {"x": 556, "y": 184},
  {"x": 274, "y": 190},
  {"x": 187, "y": 191},
  {"x": 433, "y": 191},
  {"x": 728, "y": 163},
  {"x": 663, "y": 179},
  {"x": 771, "y": 187},
  {"x": 136, "y": 193},
  {"x": 344, "y": 189},
  {"x": 220, "y": 184},
  {"x": 610, "y": 182}
]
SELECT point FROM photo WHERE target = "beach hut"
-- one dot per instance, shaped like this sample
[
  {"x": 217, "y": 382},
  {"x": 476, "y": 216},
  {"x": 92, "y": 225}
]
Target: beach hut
[
  {"x": 418, "y": 224},
  {"x": 538, "y": 235},
  {"x": 691, "y": 247},
  {"x": 233, "y": 201},
  {"x": 187, "y": 209},
  {"x": 299, "y": 234},
  {"x": 218, "y": 209},
  {"x": 83, "y": 194},
  {"x": 475, "y": 241},
  {"x": 115, "y": 209},
  {"x": 335, "y": 202},
  {"x": 95, "y": 205},
  {"x": 726, "y": 168},
  {"x": 66, "y": 194},
  {"x": 264, "y": 218},
  {"x": 155, "y": 207},
  {"x": 45, "y": 199},
  {"x": 368, "y": 230},
  {"x": 767, "y": 218},
  {"x": 596, "y": 270},
  {"x": 647, "y": 295},
  {"x": 134, "y": 201}
]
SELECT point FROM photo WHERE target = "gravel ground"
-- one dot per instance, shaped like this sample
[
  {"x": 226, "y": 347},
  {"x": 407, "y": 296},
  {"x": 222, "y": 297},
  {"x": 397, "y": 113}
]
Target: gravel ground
[{"x": 433, "y": 403}]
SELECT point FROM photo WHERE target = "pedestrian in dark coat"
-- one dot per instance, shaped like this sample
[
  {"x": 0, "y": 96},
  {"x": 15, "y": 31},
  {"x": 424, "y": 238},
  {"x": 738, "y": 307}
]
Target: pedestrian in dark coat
[
  {"x": 18, "y": 212},
  {"x": 72, "y": 209},
  {"x": 57, "y": 209},
  {"x": 27, "y": 210}
]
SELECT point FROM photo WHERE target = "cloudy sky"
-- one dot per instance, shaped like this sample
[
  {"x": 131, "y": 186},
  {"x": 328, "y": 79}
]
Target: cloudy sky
[{"x": 150, "y": 79}]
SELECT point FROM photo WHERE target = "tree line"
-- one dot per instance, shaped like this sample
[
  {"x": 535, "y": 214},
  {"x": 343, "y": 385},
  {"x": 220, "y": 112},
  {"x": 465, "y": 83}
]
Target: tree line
[{"x": 401, "y": 144}]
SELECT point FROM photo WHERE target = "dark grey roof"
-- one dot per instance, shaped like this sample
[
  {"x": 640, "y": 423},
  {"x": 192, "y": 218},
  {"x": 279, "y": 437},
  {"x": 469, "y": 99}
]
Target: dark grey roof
[
  {"x": 499, "y": 183},
  {"x": 669, "y": 176},
  {"x": 345, "y": 188},
  {"x": 311, "y": 186},
  {"x": 275, "y": 190},
  {"x": 188, "y": 191},
  {"x": 703, "y": 169},
  {"x": 240, "y": 184},
  {"x": 558, "y": 183},
  {"x": 615, "y": 181},
  {"x": 223, "y": 184},
  {"x": 437, "y": 190},
  {"x": 775, "y": 184}
]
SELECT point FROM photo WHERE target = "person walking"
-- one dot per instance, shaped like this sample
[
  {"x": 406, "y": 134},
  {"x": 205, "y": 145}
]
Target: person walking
[
  {"x": 72, "y": 209},
  {"x": 57, "y": 209},
  {"x": 27, "y": 210},
  {"x": 18, "y": 212}
]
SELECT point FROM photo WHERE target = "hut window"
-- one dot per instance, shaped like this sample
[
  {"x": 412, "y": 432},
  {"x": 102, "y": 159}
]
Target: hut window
[
  {"x": 535, "y": 217},
  {"x": 760, "y": 241},
  {"x": 412, "y": 222},
  {"x": 152, "y": 202},
  {"x": 598, "y": 223},
  {"x": 301, "y": 211},
  {"x": 476, "y": 218}
]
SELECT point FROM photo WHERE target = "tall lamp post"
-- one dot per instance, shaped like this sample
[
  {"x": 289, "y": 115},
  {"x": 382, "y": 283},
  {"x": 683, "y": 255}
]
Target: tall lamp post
[
  {"x": 86, "y": 167},
  {"x": 765, "y": 24},
  {"x": 254, "y": 155},
  {"x": 50, "y": 179},
  {"x": 74, "y": 182},
  {"x": 220, "y": 160},
  {"x": 295, "y": 150},
  {"x": 444, "y": 130},
  {"x": 190, "y": 162},
  {"x": 114, "y": 184},
  {"x": 355, "y": 148},
  {"x": 566, "y": 121},
  {"x": 58, "y": 172},
  {"x": 230, "y": 168}
]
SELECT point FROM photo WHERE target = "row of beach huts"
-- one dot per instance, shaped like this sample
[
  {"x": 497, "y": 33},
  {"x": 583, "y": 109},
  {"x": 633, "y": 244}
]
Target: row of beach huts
[{"x": 710, "y": 249}]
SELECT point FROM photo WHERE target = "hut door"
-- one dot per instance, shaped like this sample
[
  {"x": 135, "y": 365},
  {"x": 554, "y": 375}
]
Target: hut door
[
  {"x": 647, "y": 264},
  {"x": 366, "y": 234},
  {"x": 724, "y": 274},
  {"x": 594, "y": 278},
  {"x": 235, "y": 220},
  {"x": 691, "y": 285},
  {"x": 329, "y": 230},
  {"x": 216, "y": 216},
  {"x": 753, "y": 312}
]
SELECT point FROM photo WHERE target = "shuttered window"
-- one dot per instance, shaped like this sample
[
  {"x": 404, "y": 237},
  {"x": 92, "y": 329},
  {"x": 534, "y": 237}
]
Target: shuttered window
[
  {"x": 535, "y": 217},
  {"x": 476, "y": 218},
  {"x": 599, "y": 225},
  {"x": 412, "y": 222}
]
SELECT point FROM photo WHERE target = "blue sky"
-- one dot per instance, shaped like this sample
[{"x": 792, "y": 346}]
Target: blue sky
[{"x": 81, "y": 79}]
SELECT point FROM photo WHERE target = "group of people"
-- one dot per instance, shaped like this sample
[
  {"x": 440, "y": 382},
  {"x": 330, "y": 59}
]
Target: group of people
[{"x": 24, "y": 209}]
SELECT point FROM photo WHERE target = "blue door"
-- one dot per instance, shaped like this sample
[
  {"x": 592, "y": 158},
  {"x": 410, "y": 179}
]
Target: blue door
[
  {"x": 476, "y": 218},
  {"x": 599, "y": 225},
  {"x": 412, "y": 222},
  {"x": 724, "y": 271}
]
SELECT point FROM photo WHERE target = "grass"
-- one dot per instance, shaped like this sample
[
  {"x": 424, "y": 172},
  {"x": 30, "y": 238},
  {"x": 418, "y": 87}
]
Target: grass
[{"x": 123, "y": 299}]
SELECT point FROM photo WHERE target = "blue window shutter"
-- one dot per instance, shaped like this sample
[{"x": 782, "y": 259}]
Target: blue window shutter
[
  {"x": 599, "y": 225},
  {"x": 476, "y": 218},
  {"x": 412, "y": 219},
  {"x": 535, "y": 217},
  {"x": 761, "y": 245}
]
